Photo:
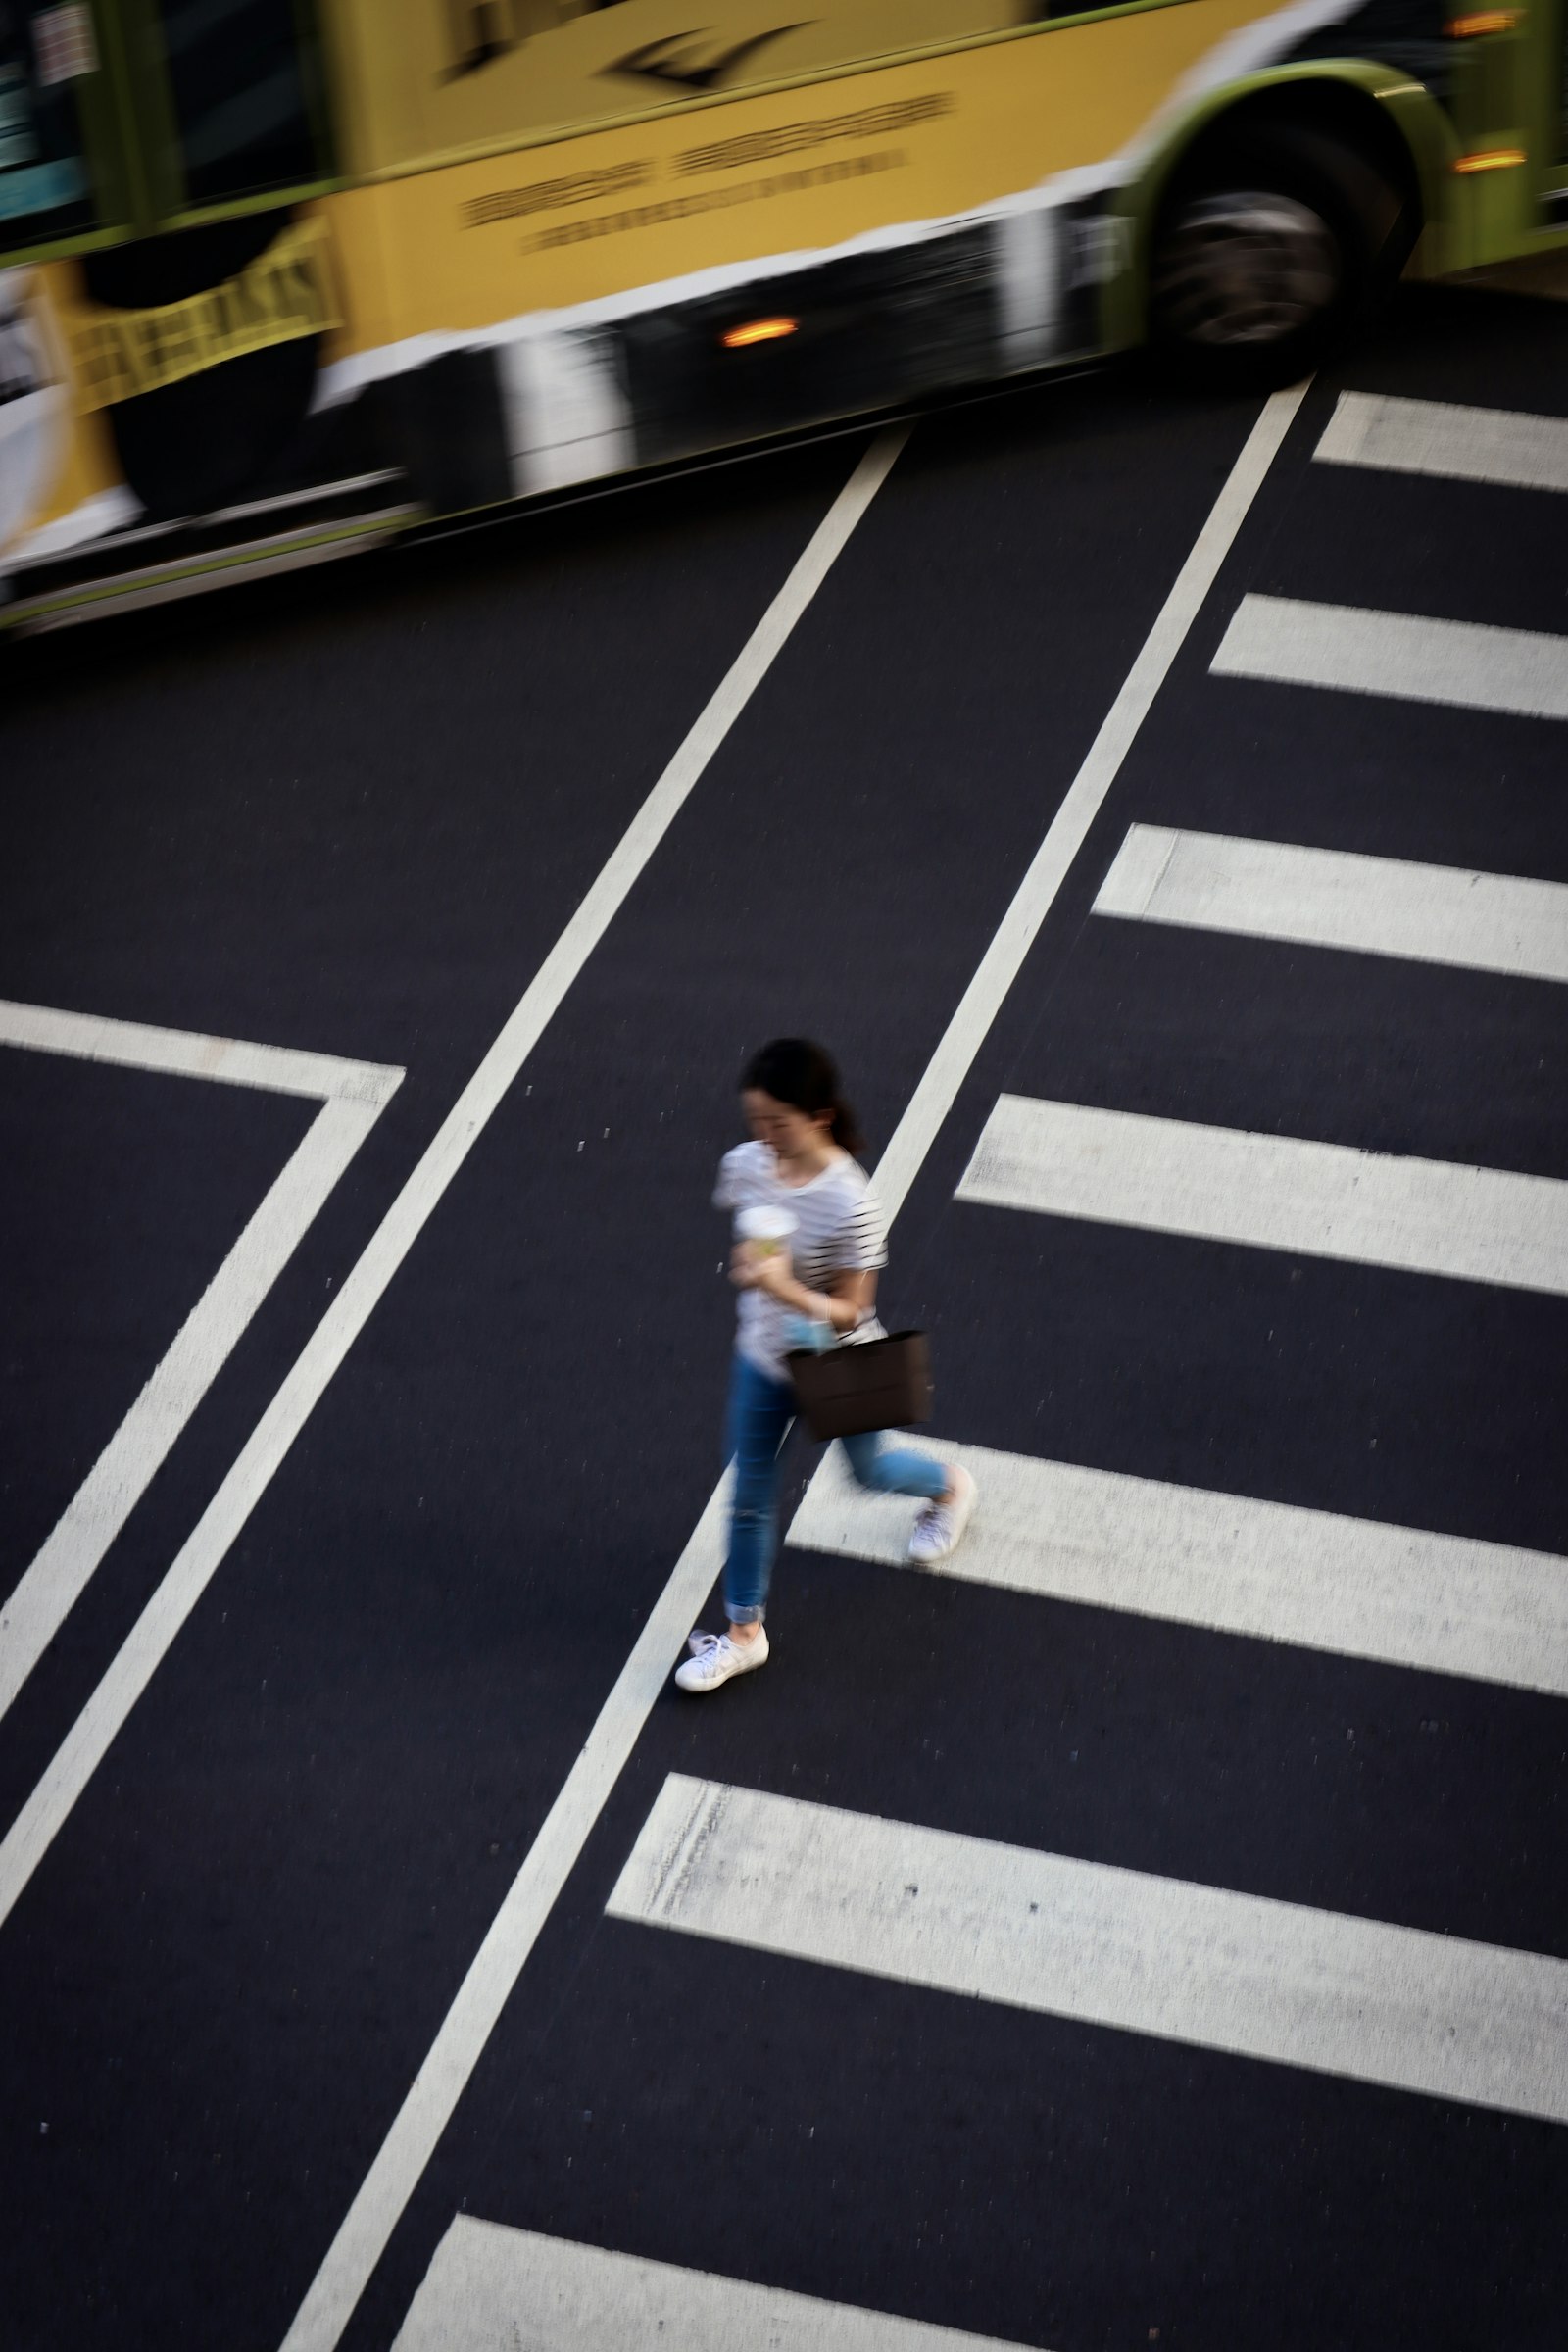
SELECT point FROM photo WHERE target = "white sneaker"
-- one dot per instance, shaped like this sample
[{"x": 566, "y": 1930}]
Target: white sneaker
[
  {"x": 939, "y": 1530},
  {"x": 715, "y": 1657}
]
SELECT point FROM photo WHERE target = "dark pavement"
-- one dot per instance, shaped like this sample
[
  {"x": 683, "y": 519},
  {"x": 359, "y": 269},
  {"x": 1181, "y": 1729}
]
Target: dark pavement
[{"x": 349, "y": 814}]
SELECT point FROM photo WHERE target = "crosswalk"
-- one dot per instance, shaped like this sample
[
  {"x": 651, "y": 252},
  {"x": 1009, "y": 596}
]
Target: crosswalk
[
  {"x": 1243, "y": 1974},
  {"x": 494, "y": 2290},
  {"x": 1357, "y": 650},
  {"x": 1272, "y": 1192},
  {"x": 1228, "y": 1563},
  {"x": 1276, "y": 890},
  {"x": 1441, "y": 437},
  {"x": 1301, "y": 1986}
]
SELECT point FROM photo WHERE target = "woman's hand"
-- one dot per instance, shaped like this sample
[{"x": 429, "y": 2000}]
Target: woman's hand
[
  {"x": 752, "y": 1269},
  {"x": 747, "y": 1263},
  {"x": 773, "y": 1274},
  {"x": 847, "y": 1300}
]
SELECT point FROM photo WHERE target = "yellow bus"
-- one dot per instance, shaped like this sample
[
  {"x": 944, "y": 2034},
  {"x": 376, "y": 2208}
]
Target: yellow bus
[{"x": 282, "y": 278}]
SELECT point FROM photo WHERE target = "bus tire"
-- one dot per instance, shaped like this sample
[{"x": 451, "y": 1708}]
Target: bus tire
[{"x": 1272, "y": 247}]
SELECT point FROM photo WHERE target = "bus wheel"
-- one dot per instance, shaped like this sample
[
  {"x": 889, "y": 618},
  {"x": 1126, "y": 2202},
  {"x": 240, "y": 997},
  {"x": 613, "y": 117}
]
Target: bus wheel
[{"x": 1269, "y": 253}]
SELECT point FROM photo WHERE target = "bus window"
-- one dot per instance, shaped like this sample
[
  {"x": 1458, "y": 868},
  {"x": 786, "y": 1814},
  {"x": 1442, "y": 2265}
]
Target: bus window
[
  {"x": 241, "y": 75},
  {"x": 45, "y": 184}
]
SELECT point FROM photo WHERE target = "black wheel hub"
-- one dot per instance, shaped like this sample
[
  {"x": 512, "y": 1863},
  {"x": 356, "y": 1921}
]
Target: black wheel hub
[{"x": 1249, "y": 267}]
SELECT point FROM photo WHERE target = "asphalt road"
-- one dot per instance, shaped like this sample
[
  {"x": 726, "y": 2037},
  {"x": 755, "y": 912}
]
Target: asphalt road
[{"x": 350, "y": 817}]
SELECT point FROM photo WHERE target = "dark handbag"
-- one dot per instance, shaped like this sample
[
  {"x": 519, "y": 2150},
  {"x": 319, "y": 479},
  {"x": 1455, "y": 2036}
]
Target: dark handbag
[{"x": 878, "y": 1384}]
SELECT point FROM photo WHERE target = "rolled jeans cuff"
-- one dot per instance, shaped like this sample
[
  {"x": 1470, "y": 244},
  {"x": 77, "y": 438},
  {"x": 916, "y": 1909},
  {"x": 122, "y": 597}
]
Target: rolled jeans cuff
[{"x": 752, "y": 1616}]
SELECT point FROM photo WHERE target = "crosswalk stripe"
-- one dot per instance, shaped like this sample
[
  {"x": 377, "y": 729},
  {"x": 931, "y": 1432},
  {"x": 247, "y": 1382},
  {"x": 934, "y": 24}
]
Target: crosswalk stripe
[
  {"x": 1399, "y": 654},
  {"x": 496, "y": 2289},
  {"x": 1272, "y": 1192},
  {"x": 1244, "y": 1974},
  {"x": 1360, "y": 1587},
  {"x": 1507, "y": 446},
  {"x": 1335, "y": 898}
]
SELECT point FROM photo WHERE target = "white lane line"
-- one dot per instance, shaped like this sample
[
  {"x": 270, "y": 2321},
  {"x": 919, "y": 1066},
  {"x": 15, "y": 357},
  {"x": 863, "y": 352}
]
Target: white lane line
[
  {"x": 1359, "y": 1587},
  {"x": 1241, "y": 1973},
  {"x": 1398, "y": 654},
  {"x": 62, "y": 1569},
  {"x": 1035, "y": 894},
  {"x": 495, "y": 2290},
  {"x": 79, "y": 1754},
  {"x": 352, "y": 1095},
  {"x": 420, "y": 2121},
  {"x": 185, "y": 1053},
  {"x": 1523, "y": 452},
  {"x": 1272, "y": 1192},
  {"x": 1335, "y": 898}
]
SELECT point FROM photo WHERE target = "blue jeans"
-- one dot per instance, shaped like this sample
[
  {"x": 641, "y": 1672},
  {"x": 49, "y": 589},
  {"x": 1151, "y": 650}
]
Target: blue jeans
[{"x": 759, "y": 1412}]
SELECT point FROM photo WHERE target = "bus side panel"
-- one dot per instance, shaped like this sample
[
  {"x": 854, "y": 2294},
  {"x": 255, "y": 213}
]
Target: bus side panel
[
  {"x": 791, "y": 173},
  {"x": 521, "y": 321},
  {"x": 432, "y": 79},
  {"x": 939, "y": 221},
  {"x": 542, "y": 315}
]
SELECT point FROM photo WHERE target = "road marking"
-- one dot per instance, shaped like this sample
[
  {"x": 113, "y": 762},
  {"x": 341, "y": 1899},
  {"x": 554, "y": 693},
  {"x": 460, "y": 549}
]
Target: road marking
[
  {"x": 84, "y": 1746},
  {"x": 1334, "y": 899},
  {"x": 1272, "y": 1192},
  {"x": 352, "y": 1095},
  {"x": 412, "y": 2140},
  {"x": 1241, "y": 1973},
  {"x": 1359, "y": 1587},
  {"x": 494, "y": 2290},
  {"x": 1434, "y": 436},
  {"x": 1035, "y": 894},
  {"x": 1396, "y": 654},
  {"x": 185, "y": 1054}
]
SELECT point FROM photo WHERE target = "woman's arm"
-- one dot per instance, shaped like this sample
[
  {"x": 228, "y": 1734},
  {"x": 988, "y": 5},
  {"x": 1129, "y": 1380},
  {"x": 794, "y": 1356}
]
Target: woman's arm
[{"x": 844, "y": 1302}]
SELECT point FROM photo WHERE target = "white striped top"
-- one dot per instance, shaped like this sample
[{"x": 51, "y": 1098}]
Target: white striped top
[{"x": 840, "y": 1229}]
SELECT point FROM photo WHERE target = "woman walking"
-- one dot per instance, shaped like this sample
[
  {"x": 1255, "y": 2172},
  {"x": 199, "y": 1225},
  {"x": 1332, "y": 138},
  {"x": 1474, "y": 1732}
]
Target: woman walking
[{"x": 801, "y": 1162}]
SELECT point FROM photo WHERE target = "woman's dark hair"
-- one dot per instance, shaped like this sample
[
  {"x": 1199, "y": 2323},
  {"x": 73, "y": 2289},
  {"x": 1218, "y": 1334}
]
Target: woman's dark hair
[{"x": 805, "y": 1076}]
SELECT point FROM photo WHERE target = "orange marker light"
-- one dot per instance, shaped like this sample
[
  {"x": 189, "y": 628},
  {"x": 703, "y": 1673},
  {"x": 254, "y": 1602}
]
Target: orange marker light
[
  {"x": 1485, "y": 20},
  {"x": 759, "y": 330},
  {"x": 1495, "y": 159}
]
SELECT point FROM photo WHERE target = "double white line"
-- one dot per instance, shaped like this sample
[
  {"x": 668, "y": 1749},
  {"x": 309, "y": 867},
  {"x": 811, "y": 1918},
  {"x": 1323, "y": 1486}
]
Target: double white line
[
  {"x": 351, "y": 1095},
  {"x": 41, "y": 1818},
  {"x": 467, "y": 2025}
]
